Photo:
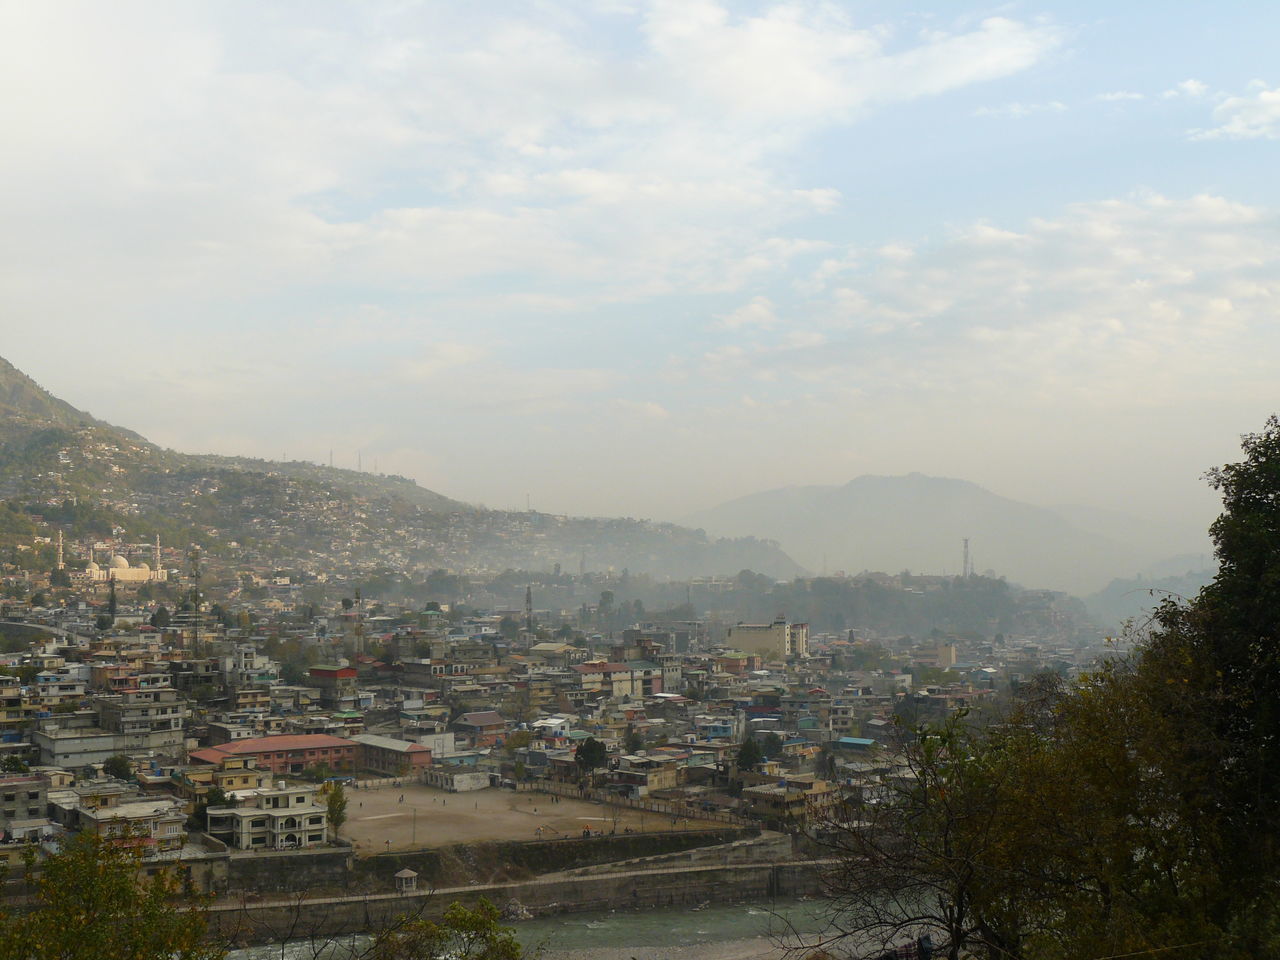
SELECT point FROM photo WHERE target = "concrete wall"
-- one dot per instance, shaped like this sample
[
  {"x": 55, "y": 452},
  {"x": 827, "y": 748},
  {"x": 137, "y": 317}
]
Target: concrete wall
[
  {"x": 248, "y": 921},
  {"x": 287, "y": 871},
  {"x": 516, "y": 860}
]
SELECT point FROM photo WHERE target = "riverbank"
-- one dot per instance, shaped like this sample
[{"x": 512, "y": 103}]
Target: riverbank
[
  {"x": 756, "y": 948},
  {"x": 678, "y": 889},
  {"x": 760, "y": 931}
]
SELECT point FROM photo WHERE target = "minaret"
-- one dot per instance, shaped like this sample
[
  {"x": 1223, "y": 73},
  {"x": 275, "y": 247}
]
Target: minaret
[
  {"x": 528, "y": 608},
  {"x": 155, "y": 555},
  {"x": 61, "y": 565}
]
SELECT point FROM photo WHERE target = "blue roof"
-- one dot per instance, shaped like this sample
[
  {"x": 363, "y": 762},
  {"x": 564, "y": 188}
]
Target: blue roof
[{"x": 856, "y": 742}]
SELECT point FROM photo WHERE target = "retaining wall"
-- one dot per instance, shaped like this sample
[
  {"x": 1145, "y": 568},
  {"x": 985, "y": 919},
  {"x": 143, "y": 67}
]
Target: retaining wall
[{"x": 248, "y": 921}]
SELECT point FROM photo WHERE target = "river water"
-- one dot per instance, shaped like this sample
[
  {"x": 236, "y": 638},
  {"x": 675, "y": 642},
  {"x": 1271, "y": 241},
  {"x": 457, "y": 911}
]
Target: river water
[{"x": 715, "y": 932}]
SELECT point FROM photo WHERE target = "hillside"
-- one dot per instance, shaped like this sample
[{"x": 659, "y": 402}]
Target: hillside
[
  {"x": 91, "y": 479},
  {"x": 918, "y": 523}
]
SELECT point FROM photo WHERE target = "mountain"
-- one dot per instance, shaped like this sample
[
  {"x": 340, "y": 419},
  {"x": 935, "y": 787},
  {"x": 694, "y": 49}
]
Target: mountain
[
  {"x": 61, "y": 467},
  {"x": 25, "y": 405},
  {"x": 918, "y": 523},
  {"x": 1132, "y": 600}
]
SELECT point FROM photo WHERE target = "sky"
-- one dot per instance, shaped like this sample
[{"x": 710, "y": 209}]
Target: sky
[{"x": 637, "y": 258}]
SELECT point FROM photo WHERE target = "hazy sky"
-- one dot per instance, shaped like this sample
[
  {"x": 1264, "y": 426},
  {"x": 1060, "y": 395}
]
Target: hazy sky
[{"x": 641, "y": 257}]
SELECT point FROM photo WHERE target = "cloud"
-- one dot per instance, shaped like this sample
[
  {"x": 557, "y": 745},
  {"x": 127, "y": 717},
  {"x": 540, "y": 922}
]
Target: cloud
[
  {"x": 759, "y": 312},
  {"x": 1194, "y": 89},
  {"x": 1115, "y": 96},
  {"x": 1020, "y": 111},
  {"x": 205, "y": 150},
  {"x": 1255, "y": 116},
  {"x": 1138, "y": 302}
]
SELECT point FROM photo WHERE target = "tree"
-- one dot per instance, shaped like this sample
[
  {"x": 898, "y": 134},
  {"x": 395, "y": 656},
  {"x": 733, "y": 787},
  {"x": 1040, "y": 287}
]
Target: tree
[
  {"x": 1134, "y": 813},
  {"x": 118, "y": 766},
  {"x": 590, "y": 756},
  {"x": 91, "y": 903},
  {"x": 461, "y": 934},
  {"x": 749, "y": 755},
  {"x": 336, "y": 808},
  {"x": 917, "y": 853},
  {"x": 12, "y": 763},
  {"x": 509, "y": 627},
  {"x": 160, "y": 619},
  {"x": 771, "y": 748},
  {"x": 517, "y": 739},
  {"x": 634, "y": 742}
]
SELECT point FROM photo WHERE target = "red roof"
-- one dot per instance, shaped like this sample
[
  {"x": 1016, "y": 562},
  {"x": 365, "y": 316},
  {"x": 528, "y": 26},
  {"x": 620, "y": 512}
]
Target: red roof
[{"x": 285, "y": 741}]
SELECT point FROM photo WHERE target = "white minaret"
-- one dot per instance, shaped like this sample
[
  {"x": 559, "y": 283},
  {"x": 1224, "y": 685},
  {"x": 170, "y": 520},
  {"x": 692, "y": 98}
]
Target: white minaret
[
  {"x": 155, "y": 555},
  {"x": 61, "y": 565}
]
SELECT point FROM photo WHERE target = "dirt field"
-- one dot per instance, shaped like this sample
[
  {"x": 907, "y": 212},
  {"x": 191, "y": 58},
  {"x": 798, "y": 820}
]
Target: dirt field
[{"x": 378, "y": 820}]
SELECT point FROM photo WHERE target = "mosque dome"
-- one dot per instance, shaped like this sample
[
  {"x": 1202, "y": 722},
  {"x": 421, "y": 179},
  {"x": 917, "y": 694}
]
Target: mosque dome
[
  {"x": 119, "y": 563},
  {"x": 143, "y": 567},
  {"x": 93, "y": 567}
]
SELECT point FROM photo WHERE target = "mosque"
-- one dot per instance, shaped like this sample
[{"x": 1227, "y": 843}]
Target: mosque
[{"x": 120, "y": 570}]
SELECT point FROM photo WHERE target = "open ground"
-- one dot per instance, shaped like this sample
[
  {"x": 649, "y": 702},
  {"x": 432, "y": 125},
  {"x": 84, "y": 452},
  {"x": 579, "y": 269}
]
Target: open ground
[{"x": 378, "y": 820}]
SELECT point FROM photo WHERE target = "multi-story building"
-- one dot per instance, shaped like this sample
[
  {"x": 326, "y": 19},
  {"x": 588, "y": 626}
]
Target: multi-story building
[
  {"x": 11, "y": 714},
  {"x": 23, "y": 804},
  {"x": 778, "y": 640},
  {"x": 271, "y": 818},
  {"x": 287, "y": 753},
  {"x": 390, "y": 757},
  {"x": 153, "y": 826},
  {"x": 139, "y": 722},
  {"x": 149, "y": 719}
]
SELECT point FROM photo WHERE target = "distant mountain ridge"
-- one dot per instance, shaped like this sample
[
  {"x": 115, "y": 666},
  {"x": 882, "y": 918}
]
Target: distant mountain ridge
[
  {"x": 92, "y": 477},
  {"x": 918, "y": 522}
]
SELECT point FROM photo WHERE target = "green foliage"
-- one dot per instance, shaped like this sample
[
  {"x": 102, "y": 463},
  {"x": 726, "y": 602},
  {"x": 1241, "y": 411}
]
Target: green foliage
[
  {"x": 91, "y": 904},
  {"x": 118, "y": 766},
  {"x": 771, "y": 746},
  {"x": 516, "y": 740},
  {"x": 336, "y": 808},
  {"x": 461, "y": 934},
  {"x": 749, "y": 755},
  {"x": 1135, "y": 812},
  {"x": 12, "y": 763},
  {"x": 634, "y": 742},
  {"x": 590, "y": 755}
]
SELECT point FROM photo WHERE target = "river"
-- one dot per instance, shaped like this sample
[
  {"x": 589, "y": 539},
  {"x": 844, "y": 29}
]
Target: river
[{"x": 715, "y": 932}]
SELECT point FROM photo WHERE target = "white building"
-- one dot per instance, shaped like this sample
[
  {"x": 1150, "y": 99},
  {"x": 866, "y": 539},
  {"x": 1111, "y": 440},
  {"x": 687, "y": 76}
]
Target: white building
[{"x": 282, "y": 817}]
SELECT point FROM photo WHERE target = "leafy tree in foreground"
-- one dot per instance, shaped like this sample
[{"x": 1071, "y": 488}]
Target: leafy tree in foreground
[
  {"x": 1133, "y": 813},
  {"x": 91, "y": 905},
  {"x": 461, "y": 934}
]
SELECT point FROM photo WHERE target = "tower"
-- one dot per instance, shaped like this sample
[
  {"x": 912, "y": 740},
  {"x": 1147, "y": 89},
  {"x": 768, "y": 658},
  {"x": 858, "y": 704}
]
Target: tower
[
  {"x": 61, "y": 565},
  {"x": 967, "y": 570},
  {"x": 528, "y": 608},
  {"x": 155, "y": 555}
]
